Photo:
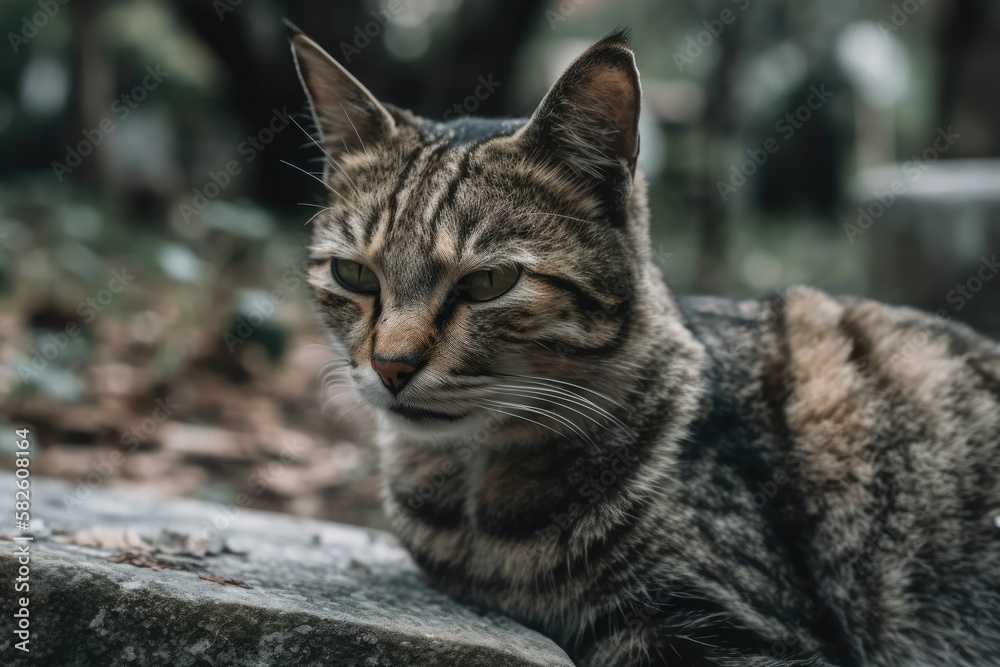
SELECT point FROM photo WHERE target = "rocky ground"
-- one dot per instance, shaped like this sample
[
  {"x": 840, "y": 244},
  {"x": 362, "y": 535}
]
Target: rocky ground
[{"x": 122, "y": 579}]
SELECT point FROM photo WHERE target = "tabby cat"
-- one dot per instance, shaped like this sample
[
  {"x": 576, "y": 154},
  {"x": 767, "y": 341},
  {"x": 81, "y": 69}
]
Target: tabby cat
[{"x": 794, "y": 480}]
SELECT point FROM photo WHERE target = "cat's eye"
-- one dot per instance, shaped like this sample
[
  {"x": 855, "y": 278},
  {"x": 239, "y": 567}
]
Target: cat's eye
[
  {"x": 488, "y": 284},
  {"x": 355, "y": 277}
]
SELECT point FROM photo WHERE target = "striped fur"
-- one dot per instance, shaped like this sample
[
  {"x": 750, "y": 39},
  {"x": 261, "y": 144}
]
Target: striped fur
[{"x": 795, "y": 480}]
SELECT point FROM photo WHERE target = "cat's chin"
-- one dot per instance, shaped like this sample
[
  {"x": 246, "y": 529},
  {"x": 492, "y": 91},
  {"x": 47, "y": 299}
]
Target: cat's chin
[{"x": 427, "y": 424}]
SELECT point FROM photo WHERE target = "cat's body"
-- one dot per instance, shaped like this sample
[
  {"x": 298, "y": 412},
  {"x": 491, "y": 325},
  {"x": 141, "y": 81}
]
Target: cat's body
[
  {"x": 803, "y": 493},
  {"x": 799, "y": 480}
]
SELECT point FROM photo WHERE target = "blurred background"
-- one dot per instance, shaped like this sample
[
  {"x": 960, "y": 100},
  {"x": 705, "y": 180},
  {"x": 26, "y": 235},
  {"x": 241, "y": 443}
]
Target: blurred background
[{"x": 155, "y": 332}]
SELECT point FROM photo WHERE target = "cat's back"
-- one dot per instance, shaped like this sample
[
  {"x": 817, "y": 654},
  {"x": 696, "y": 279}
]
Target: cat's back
[{"x": 886, "y": 421}]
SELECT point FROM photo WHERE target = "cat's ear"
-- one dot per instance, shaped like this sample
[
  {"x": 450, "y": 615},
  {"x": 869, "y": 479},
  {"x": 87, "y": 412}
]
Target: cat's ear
[
  {"x": 590, "y": 116},
  {"x": 347, "y": 115}
]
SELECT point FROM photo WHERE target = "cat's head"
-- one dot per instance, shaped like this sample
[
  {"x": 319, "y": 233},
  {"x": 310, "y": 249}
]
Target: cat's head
[{"x": 479, "y": 265}]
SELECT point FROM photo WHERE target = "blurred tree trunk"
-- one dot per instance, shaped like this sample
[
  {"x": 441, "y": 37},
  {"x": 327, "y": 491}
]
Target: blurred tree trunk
[
  {"x": 712, "y": 272},
  {"x": 968, "y": 45},
  {"x": 95, "y": 80}
]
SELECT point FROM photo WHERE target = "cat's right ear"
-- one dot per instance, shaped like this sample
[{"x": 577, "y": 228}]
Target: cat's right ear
[
  {"x": 347, "y": 115},
  {"x": 589, "y": 120}
]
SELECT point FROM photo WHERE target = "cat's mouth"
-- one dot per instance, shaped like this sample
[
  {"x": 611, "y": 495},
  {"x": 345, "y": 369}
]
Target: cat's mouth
[{"x": 425, "y": 415}]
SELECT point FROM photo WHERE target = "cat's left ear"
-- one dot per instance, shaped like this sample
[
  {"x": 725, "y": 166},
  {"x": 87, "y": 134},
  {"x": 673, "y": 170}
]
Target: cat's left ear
[
  {"x": 347, "y": 115},
  {"x": 590, "y": 116}
]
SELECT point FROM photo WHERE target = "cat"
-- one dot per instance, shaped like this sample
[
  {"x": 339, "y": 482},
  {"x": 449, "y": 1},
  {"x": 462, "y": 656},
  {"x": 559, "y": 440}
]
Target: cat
[{"x": 649, "y": 480}]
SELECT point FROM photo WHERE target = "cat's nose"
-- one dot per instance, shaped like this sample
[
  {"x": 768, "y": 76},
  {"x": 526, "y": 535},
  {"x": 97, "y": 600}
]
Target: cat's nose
[{"x": 394, "y": 371}]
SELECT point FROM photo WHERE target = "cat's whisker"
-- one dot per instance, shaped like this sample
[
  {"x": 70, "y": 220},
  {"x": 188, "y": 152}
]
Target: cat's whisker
[
  {"x": 554, "y": 416},
  {"x": 584, "y": 432},
  {"x": 335, "y": 365},
  {"x": 321, "y": 211},
  {"x": 557, "y": 215},
  {"x": 318, "y": 213},
  {"x": 333, "y": 369},
  {"x": 337, "y": 165},
  {"x": 572, "y": 387},
  {"x": 572, "y": 399},
  {"x": 350, "y": 183},
  {"x": 445, "y": 381},
  {"x": 338, "y": 363},
  {"x": 547, "y": 399},
  {"x": 321, "y": 181},
  {"x": 353, "y": 127},
  {"x": 312, "y": 176},
  {"x": 563, "y": 382},
  {"x": 517, "y": 416},
  {"x": 334, "y": 374},
  {"x": 330, "y": 385},
  {"x": 350, "y": 407},
  {"x": 561, "y": 392}
]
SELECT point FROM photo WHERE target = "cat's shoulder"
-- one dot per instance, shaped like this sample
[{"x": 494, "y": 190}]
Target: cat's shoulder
[
  {"x": 803, "y": 339},
  {"x": 808, "y": 314}
]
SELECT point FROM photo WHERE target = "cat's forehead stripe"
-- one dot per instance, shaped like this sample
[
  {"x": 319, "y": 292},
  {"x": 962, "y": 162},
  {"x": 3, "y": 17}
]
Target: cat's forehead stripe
[
  {"x": 447, "y": 200},
  {"x": 436, "y": 194},
  {"x": 425, "y": 166},
  {"x": 416, "y": 222},
  {"x": 408, "y": 163}
]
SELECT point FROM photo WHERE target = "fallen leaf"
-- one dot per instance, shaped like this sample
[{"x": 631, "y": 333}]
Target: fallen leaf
[
  {"x": 143, "y": 559},
  {"x": 106, "y": 537},
  {"x": 219, "y": 579},
  {"x": 181, "y": 544}
]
